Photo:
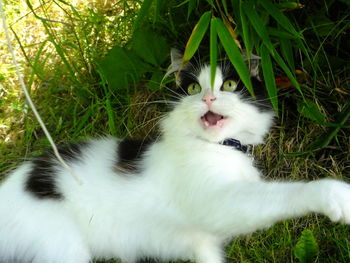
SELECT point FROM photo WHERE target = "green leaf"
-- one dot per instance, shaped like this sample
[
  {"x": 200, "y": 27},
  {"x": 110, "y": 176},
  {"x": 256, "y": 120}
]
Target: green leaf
[
  {"x": 269, "y": 77},
  {"x": 224, "y": 4},
  {"x": 306, "y": 250},
  {"x": 309, "y": 109},
  {"x": 279, "y": 33},
  {"x": 246, "y": 33},
  {"x": 325, "y": 139},
  {"x": 279, "y": 17},
  {"x": 233, "y": 54},
  {"x": 287, "y": 52},
  {"x": 196, "y": 37},
  {"x": 121, "y": 67},
  {"x": 191, "y": 6},
  {"x": 260, "y": 29},
  {"x": 143, "y": 12},
  {"x": 213, "y": 52},
  {"x": 154, "y": 83},
  {"x": 258, "y": 25},
  {"x": 156, "y": 46},
  {"x": 211, "y": 3}
]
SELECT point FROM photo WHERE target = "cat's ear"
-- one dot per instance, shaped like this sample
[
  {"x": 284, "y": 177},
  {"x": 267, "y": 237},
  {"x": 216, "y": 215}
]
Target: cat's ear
[
  {"x": 253, "y": 63},
  {"x": 176, "y": 57},
  {"x": 176, "y": 62}
]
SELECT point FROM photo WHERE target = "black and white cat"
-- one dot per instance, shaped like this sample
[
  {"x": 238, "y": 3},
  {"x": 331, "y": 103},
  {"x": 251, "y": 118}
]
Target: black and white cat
[{"x": 178, "y": 198}]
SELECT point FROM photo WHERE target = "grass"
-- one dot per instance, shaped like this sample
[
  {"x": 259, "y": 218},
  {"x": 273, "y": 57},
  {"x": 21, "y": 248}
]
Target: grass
[{"x": 58, "y": 46}]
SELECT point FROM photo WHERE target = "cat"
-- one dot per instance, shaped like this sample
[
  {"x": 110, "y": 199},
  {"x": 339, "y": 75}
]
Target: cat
[{"x": 180, "y": 197}]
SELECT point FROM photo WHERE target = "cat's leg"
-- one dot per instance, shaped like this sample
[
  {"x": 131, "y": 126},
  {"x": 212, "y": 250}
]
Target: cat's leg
[
  {"x": 244, "y": 207},
  {"x": 207, "y": 250}
]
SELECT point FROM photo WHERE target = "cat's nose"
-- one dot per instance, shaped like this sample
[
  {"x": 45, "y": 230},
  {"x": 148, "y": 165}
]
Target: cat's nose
[{"x": 208, "y": 98}]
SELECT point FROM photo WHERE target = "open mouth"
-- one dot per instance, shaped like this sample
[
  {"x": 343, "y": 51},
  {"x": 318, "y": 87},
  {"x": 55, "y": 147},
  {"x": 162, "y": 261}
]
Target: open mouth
[{"x": 211, "y": 119}]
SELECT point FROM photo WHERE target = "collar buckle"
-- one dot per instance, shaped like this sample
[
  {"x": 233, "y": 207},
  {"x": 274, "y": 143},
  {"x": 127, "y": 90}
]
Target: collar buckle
[{"x": 237, "y": 145}]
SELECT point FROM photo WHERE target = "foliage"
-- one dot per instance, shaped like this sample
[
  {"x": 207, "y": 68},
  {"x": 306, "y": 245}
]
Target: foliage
[
  {"x": 306, "y": 250},
  {"x": 95, "y": 68},
  {"x": 267, "y": 28}
]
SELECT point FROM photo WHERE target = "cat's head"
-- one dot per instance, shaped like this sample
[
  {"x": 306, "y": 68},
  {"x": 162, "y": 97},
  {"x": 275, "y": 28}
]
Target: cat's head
[{"x": 224, "y": 112}]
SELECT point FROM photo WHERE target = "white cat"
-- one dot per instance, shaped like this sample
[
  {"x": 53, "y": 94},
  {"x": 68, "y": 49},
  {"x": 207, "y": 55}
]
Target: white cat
[{"x": 178, "y": 198}]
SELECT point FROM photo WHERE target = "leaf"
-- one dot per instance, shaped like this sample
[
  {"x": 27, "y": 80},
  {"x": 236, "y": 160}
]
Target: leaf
[
  {"x": 281, "y": 19},
  {"x": 246, "y": 34},
  {"x": 143, "y": 12},
  {"x": 233, "y": 54},
  {"x": 159, "y": 6},
  {"x": 287, "y": 52},
  {"x": 306, "y": 250},
  {"x": 258, "y": 25},
  {"x": 156, "y": 46},
  {"x": 191, "y": 6},
  {"x": 213, "y": 52},
  {"x": 196, "y": 36},
  {"x": 154, "y": 83},
  {"x": 279, "y": 33},
  {"x": 121, "y": 67},
  {"x": 325, "y": 139},
  {"x": 269, "y": 77},
  {"x": 260, "y": 29},
  {"x": 310, "y": 110}
]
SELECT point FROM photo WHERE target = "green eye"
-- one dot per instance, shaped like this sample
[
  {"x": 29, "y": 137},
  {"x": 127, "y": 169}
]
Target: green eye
[
  {"x": 229, "y": 85},
  {"x": 194, "y": 88}
]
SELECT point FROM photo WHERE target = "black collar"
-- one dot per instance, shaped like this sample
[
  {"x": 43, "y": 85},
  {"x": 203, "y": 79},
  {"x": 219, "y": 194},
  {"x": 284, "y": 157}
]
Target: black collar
[{"x": 237, "y": 145}]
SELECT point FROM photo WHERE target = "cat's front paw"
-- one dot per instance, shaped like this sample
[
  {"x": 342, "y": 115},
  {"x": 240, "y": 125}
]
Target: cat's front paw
[{"x": 335, "y": 199}]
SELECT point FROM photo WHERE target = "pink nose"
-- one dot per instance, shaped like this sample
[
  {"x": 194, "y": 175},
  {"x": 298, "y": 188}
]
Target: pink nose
[{"x": 208, "y": 98}]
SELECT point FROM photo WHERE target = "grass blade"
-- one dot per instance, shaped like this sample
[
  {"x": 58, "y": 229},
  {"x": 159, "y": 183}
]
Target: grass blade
[
  {"x": 196, "y": 37},
  {"x": 234, "y": 54}
]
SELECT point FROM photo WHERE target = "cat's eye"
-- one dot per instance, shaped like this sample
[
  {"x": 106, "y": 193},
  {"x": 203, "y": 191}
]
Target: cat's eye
[
  {"x": 229, "y": 85},
  {"x": 194, "y": 88}
]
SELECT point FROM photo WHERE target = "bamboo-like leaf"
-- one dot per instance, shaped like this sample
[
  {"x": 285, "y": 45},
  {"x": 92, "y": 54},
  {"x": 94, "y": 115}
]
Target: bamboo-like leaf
[
  {"x": 281, "y": 19},
  {"x": 246, "y": 34},
  {"x": 211, "y": 3},
  {"x": 213, "y": 52},
  {"x": 280, "y": 34},
  {"x": 287, "y": 52},
  {"x": 233, "y": 54},
  {"x": 191, "y": 6},
  {"x": 224, "y": 4},
  {"x": 196, "y": 36},
  {"x": 285, "y": 68},
  {"x": 269, "y": 77},
  {"x": 258, "y": 25}
]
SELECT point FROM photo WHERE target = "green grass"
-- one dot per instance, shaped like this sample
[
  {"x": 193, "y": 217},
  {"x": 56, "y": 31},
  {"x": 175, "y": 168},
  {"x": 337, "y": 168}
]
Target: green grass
[{"x": 59, "y": 61}]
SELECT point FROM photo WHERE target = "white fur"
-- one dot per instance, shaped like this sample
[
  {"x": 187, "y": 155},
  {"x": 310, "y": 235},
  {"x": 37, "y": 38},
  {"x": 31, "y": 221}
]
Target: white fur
[{"x": 192, "y": 196}]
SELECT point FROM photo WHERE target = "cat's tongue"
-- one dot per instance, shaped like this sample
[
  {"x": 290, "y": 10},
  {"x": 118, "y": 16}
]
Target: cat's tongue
[{"x": 212, "y": 118}]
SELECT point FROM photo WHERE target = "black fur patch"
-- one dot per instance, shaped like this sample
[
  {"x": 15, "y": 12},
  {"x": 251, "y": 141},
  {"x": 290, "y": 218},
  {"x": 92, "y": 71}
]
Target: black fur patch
[
  {"x": 129, "y": 154},
  {"x": 41, "y": 181}
]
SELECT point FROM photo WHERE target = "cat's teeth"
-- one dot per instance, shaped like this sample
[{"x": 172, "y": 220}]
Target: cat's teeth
[{"x": 206, "y": 124}]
